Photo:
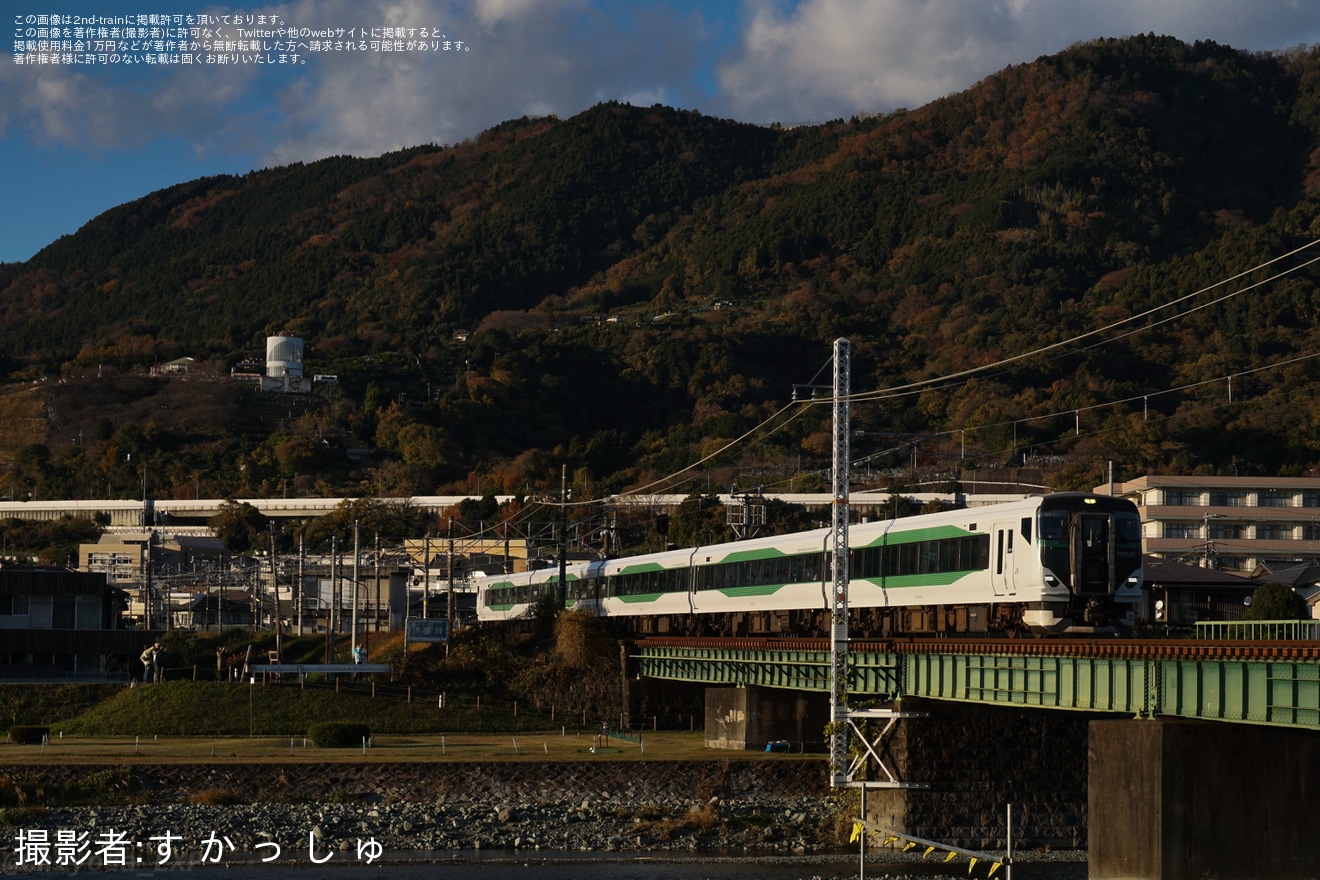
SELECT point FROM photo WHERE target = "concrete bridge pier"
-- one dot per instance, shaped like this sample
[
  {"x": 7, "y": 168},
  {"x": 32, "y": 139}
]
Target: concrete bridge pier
[
  {"x": 973, "y": 759},
  {"x": 751, "y": 717},
  {"x": 1174, "y": 799}
]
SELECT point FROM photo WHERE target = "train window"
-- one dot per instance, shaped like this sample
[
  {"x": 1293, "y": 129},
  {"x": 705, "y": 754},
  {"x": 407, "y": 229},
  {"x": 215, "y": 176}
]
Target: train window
[
  {"x": 930, "y": 556},
  {"x": 811, "y": 568},
  {"x": 678, "y": 580},
  {"x": 999, "y": 557},
  {"x": 911, "y": 559},
  {"x": 1010, "y": 540},
  {"x": 1053, "y": 526},
  {"x": 1129, "y": 531},
  {"x": 1026, "y": 529},
  {"x": 861, "y": 562},
  {"x": 1095, "y": 533},
  {"x": 949, "y": 555}
]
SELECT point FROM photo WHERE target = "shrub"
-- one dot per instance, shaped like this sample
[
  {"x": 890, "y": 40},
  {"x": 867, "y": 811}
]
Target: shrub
[
  {"x": 217, "y": 797},
  {"x": 18, "y": 816},
  {"x": 28, "y": 733},
  {"x": 338, "y": 734}
]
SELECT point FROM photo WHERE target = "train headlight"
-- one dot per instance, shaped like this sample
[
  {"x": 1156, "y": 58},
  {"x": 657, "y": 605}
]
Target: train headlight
[
  {"x": 1133, "y": 581},
  {"x": 1051, "y": 580}
]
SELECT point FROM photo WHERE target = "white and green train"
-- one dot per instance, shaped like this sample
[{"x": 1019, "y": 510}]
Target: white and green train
[{"x": 1054, "y": 563}]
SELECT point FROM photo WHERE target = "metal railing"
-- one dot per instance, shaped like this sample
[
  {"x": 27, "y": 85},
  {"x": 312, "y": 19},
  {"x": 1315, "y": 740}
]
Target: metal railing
[{"x": 1259, "y": 630}]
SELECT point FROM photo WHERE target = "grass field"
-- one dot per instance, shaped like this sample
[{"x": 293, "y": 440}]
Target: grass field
[{"x": 565, "y": 744}]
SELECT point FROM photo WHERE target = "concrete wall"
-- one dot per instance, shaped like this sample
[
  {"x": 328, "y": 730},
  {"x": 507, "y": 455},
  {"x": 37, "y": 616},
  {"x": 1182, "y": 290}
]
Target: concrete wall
[
  {"x": 978, "y": 759},
  {"x": 1183, "y": 800},
  {"x": 726, "y": 718},
  {"x": 748, "y": 718},
  {"x": 651, "y": 703}
]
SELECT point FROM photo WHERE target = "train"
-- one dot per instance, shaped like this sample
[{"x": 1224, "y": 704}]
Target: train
[{"x": 1058, "y": 563}]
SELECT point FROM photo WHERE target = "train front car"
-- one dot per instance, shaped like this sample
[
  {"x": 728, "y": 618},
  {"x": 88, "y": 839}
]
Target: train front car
[{"x": 1090, "y": 557}]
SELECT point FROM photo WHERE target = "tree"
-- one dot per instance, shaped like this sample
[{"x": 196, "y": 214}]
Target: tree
[
  {"x": 698, "y": 520},
  {"x": 1276, "y": 602},
  {"x": 237, "y": 525},
  {"x": 393, "y": 518}
]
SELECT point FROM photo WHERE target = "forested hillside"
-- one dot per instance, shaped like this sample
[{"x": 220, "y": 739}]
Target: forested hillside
[{"x": 629, "y": 290}]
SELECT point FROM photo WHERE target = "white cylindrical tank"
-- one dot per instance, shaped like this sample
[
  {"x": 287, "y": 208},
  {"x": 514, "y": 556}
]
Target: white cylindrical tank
[{"x": 284, "y": 357}]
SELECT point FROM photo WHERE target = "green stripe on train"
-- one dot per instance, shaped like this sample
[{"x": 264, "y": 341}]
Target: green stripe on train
[
  {"x": 933, "y": 579},
  {"x": 753, "y": 555},
  {"x": 758, "y": 590},
  {"x": 641, "y": 597},
  {"x": 505, "y": 585},
  {"x": 510, "y": 606},
  {"x": 934, "y": 533},
  {"x": 641, "y": 569}
]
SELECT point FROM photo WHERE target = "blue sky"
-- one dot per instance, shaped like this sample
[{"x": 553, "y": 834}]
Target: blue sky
[{"x": 76, "y": 140}]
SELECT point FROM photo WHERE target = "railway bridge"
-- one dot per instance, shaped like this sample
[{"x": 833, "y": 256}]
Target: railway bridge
[{"x": 1166, "y": 758}]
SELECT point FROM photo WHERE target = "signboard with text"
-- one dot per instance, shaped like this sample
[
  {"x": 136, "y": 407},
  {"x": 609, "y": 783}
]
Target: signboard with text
[{"x": 421, "y": 629}]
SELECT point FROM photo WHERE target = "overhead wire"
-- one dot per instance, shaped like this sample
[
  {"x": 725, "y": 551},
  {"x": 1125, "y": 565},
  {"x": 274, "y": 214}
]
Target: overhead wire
[
  {"x": 950, "y": 379},
  {"x": 883, "y": 394}
]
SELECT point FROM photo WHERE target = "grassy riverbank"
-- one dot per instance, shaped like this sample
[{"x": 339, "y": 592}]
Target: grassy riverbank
[
  {"x": 564, "y": 744},
  {"x": 210, "y": 709}
]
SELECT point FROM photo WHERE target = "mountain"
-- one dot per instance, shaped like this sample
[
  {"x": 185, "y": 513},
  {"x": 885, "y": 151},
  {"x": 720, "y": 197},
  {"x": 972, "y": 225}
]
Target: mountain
[{"x": 631, "y": 289}]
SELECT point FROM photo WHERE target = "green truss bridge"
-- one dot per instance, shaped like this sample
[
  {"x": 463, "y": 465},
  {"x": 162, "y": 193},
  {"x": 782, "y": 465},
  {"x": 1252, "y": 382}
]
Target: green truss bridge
[{"x": 1274, "y": 683}]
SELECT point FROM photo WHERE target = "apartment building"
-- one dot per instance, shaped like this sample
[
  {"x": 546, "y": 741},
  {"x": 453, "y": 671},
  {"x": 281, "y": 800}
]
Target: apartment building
[{"x": 1241, "y": 524}]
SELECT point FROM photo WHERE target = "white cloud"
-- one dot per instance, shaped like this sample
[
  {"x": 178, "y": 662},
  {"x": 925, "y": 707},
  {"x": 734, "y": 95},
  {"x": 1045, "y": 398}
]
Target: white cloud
[
  {"x": 818, "y": 59},
  {"x": 523, "y": 57},
  {"x": 491, "y": 12},
  {"x": 795, "y": 61}
]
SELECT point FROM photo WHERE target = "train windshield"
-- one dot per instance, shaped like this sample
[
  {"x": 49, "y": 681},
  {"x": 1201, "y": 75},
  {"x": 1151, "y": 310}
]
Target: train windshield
[
  {"x": 1092, "y": 544},
  {"x": 1053, "y": 527},
  {"x": 1129, "y": 534}
]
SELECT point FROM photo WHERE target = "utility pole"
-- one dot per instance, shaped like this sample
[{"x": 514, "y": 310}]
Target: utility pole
[
  {"x": 745, "y": 521},
  {"x": 297, "y": 590},
  {"x": 839, "y": 607},
  {"x": 449, "y": 606},
  {"x": 376, "y": 608},
  {"x": 357, "y": 558},
  {"x": 334, "y": 600},
  {"x": 426, "y": 573},
  {"x": 146, "y": 565},
  {"x": 274, "y": 582},
  {"x": 563, "y": 535},
  {"x": 842, "y": 719}
]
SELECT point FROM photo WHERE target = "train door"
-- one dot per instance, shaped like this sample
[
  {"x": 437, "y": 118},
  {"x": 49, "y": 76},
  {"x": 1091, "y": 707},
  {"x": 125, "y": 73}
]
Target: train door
[
  {"x": 1003, "y": 571},
  {"x": 1094, "y": 562}
]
